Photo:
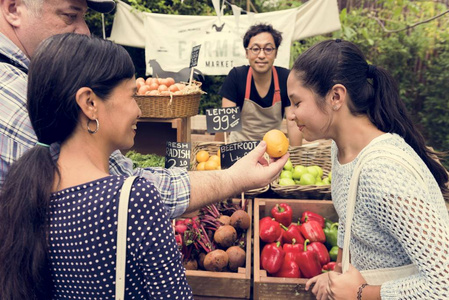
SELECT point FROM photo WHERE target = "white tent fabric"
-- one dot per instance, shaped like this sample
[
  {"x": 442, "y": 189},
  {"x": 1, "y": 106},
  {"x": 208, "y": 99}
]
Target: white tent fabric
[{"x": 169, "y": 39}]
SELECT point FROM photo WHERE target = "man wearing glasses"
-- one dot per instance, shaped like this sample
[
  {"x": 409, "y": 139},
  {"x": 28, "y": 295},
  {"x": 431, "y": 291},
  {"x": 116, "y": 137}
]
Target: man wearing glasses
[{"x": 260, "y": 89}]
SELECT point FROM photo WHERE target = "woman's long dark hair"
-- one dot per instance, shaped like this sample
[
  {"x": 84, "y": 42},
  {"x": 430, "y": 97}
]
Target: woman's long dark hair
[
  {"x": 60, "y": 67},
  {"x": 373, "y": 92}
]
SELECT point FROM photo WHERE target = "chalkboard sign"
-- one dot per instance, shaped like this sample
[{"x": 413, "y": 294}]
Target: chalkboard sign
[
  {"x": 230, "y": 153},
  {"x": 223, "y": 119},
  {"x": 177, "y": 155},
  {"x": 194, "y": 56}
]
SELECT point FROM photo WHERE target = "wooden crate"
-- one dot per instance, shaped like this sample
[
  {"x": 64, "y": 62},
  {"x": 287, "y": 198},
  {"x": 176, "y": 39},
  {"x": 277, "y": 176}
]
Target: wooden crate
[
  {"x": 266, "y": 287},
  {"x": 225, "y": 285}
]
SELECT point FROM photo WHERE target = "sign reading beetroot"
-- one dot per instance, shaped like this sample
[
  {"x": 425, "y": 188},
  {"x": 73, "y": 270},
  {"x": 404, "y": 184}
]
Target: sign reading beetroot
[{"x": 230, "y": 153}]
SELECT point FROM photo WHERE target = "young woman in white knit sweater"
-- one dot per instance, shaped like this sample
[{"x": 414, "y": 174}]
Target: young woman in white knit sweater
[{"x": 399, "y": 219}]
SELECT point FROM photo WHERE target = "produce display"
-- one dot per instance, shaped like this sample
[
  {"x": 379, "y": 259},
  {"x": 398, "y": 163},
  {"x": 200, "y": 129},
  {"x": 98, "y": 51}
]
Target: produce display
[
  {"x": 301, "y": 249},
  {"x": 303, "y": 175},
  {"x": 208, "y": 162},
  {"x": 215, "y": 240},
  {"x": 154, "y": 86},
  {"x": 145, "y": 160}
]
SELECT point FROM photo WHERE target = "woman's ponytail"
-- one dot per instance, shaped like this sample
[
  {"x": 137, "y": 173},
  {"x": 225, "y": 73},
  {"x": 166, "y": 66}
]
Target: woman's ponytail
[
  {"x": 389, "y": 113},
  {"x": 24, "y": 201}
]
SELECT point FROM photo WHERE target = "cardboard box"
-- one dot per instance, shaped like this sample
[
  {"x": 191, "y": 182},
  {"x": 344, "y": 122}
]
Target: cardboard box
[
  {"x": 225, "y": 285},
  {"x": 271, "y": 288}
]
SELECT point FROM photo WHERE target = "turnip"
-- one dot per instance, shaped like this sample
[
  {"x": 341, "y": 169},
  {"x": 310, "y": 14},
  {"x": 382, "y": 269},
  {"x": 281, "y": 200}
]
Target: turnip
[
  {"x": 201, "y": 257},
  {"x": 191, "y": 264},
  {"x": 237, "y": 257},
  {"x": 216, "y": 260},
  {"x": 225, "y": 220},
  {"x": 240, "y": 219},
  {"x": 225, "y": 236}
]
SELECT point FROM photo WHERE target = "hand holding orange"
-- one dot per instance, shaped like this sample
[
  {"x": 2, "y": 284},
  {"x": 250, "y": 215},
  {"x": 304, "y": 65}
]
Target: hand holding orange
[{"x": 277, "y": 143}]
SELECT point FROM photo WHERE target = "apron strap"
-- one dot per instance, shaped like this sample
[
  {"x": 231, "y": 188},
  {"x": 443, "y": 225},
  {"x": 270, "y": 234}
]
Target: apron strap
[
  {"x": 248, "y": 83},
  {"x": 277, "y": 90}
]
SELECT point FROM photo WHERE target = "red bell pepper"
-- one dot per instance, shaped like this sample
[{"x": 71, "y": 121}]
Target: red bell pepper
[
  {"x": 329, "y": 267},
  {"x": 292, "y": 251},
  {"x": 313, "y": 231},
  {"x": 288, "y": 269},
  {"x": 293, "y": 247},
  {"x": 272, "y": 257},
  {"x": 321, "y": 251},
  {"x": 290, "y": 233},
  {"x": 309, "y": 216},
  {"x": 269, "y": 230},
  {"x": 308, "y": 262},
  {"x": 282, "y": 213}
]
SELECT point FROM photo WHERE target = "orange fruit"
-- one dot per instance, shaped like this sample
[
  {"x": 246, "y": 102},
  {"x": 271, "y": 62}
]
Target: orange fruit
[
  {"x": 200, "y": 166},
  {"x": 277, "y": 143},
  {"x": 202, "y": 156},
  {"x": 215, "y": 158},
  {"x": 211, "y": 165}
]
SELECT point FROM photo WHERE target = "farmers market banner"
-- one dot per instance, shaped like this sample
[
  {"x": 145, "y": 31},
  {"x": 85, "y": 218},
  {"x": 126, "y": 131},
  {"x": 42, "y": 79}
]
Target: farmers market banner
[{"x": 168, "y": 39}]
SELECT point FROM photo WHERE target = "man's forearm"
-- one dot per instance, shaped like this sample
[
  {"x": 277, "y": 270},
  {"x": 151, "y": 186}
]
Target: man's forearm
[{"x": 208, "y": 187}]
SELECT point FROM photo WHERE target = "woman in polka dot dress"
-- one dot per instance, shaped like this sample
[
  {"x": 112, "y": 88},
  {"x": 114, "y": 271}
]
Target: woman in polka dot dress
[{"x": 80, "y": 93}]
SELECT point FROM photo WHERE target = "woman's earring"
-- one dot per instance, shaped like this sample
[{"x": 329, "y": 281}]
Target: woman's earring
[
  {"x": 96, "y": 128},
  {"x": 335, "y": 107}
]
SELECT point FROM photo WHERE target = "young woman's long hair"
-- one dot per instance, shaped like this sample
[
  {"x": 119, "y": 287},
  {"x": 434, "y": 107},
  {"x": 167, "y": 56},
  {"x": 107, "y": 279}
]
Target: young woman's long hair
[
  {"x": 373, "y": 92},
  {"x": 61, "y": 66}
]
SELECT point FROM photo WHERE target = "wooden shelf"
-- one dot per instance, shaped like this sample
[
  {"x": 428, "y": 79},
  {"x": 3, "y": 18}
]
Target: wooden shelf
[{"x": 153, "y": 133}]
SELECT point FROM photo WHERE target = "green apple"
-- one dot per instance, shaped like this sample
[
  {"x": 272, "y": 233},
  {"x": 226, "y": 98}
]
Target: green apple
[
  {"x": 307, "y": 179},
  {"x": 320, "y": 170},
  {"x": 296, "y": 181},
  {"x": 330, "y": 176},
  {"x": 298, "y": 171},
  {"x": 312, "y": 170},
  {"x": 286, "y": 174},
  {"x": 319, "y": 183},
  {"x": 288, "y": 165},
  {"x": 326, "y": 180},
  {"x": 286, "y": 181}
]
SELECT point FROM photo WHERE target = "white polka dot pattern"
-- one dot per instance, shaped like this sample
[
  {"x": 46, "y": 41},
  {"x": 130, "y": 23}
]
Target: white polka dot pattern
[
  {"x": 82, "y": 242},
  {"x": 396, "y": 222}
]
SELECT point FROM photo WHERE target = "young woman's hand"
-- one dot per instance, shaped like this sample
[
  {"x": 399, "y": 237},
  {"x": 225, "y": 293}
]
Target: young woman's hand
[
  {"x": 321, "y": 285},
  {"x": 344, "y": 286}
]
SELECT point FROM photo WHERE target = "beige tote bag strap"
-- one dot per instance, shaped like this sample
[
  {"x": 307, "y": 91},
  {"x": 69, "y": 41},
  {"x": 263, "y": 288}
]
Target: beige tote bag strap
[
  {"x": 387, "y": 152},
  {"x": 122, "y": 220}
]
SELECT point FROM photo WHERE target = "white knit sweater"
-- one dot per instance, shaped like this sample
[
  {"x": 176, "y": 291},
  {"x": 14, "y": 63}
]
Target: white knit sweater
[{"x": 396, "y": 222}]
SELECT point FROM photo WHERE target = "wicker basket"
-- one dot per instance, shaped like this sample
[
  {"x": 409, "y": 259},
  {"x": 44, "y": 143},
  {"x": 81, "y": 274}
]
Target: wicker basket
[
  {"x": 308, "y": 155},
  {"x": 212, "y": 148},
  {"x": 173, "y": 106}
]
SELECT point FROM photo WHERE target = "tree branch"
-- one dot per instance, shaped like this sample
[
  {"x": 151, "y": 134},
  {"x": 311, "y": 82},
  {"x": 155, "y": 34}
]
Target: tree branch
[{"x": 409, "y": 26}]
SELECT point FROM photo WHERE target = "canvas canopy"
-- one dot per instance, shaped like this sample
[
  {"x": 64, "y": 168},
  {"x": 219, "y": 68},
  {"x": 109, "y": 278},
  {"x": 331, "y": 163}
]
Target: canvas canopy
[{"x": 168, "y": 39}]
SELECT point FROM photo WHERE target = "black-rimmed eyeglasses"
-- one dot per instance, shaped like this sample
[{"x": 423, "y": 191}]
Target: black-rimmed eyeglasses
[{"x": 256, "y": 50}]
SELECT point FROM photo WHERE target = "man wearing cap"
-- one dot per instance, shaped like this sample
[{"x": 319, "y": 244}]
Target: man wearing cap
[{"x": 23, "y": 25}]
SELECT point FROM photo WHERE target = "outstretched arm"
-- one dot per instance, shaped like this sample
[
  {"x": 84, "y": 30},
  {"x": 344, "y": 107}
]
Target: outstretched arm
[{"x": 250, "y": 172}]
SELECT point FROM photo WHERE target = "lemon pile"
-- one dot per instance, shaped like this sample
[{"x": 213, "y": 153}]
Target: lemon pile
[{"x": 207, "y": 161}]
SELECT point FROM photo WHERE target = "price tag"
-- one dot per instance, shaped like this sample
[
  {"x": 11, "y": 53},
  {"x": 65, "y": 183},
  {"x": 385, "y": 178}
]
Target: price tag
[
  {"x": 223, "y": 119},
  {"x": 177, "y": 155},
  {"x": 194, "y": 56},
  {"x": 230, "y": 153}
]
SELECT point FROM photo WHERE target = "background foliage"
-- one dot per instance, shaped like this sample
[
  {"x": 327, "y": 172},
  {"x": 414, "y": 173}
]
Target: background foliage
[{"x": 418, "y": 57}]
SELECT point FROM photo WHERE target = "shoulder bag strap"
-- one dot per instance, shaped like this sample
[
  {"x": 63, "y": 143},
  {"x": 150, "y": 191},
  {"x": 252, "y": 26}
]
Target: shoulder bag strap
[
  {"x": 122, "y": 220},
  {"x": 389, "y": 152},
  {"x": 7, "y": 60}
]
